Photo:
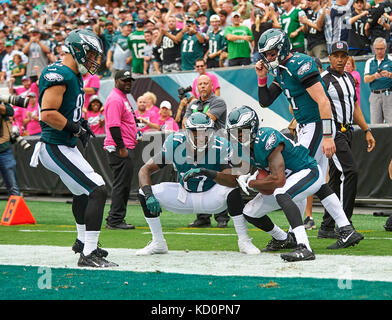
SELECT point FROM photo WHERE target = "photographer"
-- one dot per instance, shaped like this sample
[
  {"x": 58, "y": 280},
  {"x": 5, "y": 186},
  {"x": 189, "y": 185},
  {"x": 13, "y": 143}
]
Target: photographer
[
  {"x": 185, "y": 99},
  {"x": 214, "y": 107},
  {"x": 7, "y": 160}
]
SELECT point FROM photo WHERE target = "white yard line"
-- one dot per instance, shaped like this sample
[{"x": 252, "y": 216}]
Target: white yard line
[{"x": 340, "y": 267}]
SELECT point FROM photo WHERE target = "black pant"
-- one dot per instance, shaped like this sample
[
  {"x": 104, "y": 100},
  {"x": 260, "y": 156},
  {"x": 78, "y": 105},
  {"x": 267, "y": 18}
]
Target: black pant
[
  {"x": 223, "y": 216},
  {"x": 122, "y": 169},
  {"x": 211, "y": 63},
  {"x": 343, "y": 173}
]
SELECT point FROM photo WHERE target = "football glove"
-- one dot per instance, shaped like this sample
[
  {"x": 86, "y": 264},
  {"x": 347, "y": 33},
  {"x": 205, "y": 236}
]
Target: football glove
[
  {"x": 152, "y": 203},
  {"x": 84, "y": 132},
  {"x": 198, "y": 172},
  {"x": 242, "y": 182}
]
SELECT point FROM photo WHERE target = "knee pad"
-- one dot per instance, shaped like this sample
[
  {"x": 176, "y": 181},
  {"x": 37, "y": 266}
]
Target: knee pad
[{"x": 235, "y": 203}]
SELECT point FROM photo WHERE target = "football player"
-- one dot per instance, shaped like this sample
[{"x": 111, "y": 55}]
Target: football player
[
  {"x": 297, "y": 76},
  {"x": 198, "y": 148},
  {"x": 294, "y": 176},
  {"x": 61, "y": 98}
]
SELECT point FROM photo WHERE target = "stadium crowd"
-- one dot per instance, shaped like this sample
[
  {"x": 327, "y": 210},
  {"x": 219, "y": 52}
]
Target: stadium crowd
[{"x": 160, "y": 36}]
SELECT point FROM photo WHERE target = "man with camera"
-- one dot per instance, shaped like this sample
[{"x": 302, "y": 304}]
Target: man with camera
[
  {"x": 7, "y": 160},
  {"x": 214, "y": 107}
]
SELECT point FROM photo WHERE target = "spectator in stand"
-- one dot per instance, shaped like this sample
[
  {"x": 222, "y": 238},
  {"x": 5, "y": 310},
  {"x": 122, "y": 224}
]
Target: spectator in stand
[
  {"x": 91, "y": 86},
  {"x": 289, "y": 21},
  {"x": 8, "y": 62},
  {"x": 244, "y": 7},
  {"x": 239, "y": 39},
  {"x": 265, "y": 18},
  {"x": 378, "y": 24},
  {"x": 201, "y": 68},
  {"x": 18, "y": 70},
  {"x": 119, "y": 56},
  {"x": 166, "y": 121},
  {"x": 137, "y": 43},
  {"x": 31, "y": 116},
  {"x": 148, "y": 66},
  {"x": 314, "y": 30},
  {"x": 146, "y": 119},
  {"x": 157, "y": 53},
  {"x": 27, "y": 87},
  {"x": 171, "y": 61},
  {"x": 223, "y": 18},
  {"x": 216, "y": 43},
  {"x": 358, "y": 36},
  {"x": 352, "y": 69},
  {"x": 340, "y": 14},
  {"x": 37, "y": 52},
  {"x": 202, "y": 25},
  {"x": 378, "y": 73},
  {"x": 108, "y": 35},
  {"x": 151, "y": 100},
  {"x": 94, "y": 115}
]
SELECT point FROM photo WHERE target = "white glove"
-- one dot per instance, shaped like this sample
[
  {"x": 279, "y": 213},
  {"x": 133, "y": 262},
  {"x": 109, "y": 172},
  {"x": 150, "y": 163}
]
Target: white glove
[
  {"x": 242, "y": 182},
  {"x": 251, "y": 178}
]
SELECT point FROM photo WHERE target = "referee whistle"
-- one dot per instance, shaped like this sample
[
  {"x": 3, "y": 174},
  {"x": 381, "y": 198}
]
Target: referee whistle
[{"x": 342, "y": 128}]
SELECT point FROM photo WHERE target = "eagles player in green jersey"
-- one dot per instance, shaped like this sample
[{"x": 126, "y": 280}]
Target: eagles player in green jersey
[
  {"x": 293, "y": 176},
  {"x": 196, "y": 151},
  {"x": 61, "y": 98}
]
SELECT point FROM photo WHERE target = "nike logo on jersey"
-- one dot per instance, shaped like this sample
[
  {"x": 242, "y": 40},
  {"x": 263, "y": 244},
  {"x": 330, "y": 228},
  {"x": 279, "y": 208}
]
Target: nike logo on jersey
[
  {"x": 299, "y": 62},
  {"x": 263, "y": 139},
  {"x": 345, "y": 239}
]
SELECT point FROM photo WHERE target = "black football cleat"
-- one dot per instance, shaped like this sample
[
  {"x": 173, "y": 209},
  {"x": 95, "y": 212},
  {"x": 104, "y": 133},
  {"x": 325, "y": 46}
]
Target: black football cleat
[
  {"x": 94, "y": 261},
  {"x": 276, "y": 245},
  {"x": 347, "y": 236},
  {"x": 388, "y": 224},
  {"x": 300, "y": 253},
  {"x": 78, "y": 247}
]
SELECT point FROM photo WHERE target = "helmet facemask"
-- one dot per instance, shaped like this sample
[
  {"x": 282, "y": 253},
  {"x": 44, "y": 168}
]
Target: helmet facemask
[{"x": 199, "y": 138}]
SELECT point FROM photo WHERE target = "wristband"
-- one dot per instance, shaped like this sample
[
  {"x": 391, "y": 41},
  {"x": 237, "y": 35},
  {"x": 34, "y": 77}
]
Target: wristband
[
  {"x": 327, "y": 127},
  {"x": 262, "y": 81},
  {"x": 368, "y": 130},
  {"x": 72, "y": 127},
  {"x": 147, "y": 191}
]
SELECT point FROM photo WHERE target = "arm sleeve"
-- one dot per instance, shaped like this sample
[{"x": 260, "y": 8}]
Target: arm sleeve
[
  {"x": 310, "y": 80},
  {"x": 117, "y": 137},
  {"x": 267, "y": 95}
]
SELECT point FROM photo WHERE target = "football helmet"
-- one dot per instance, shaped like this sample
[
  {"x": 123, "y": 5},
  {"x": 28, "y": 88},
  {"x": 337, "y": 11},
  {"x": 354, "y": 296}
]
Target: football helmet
[
  {"x": 274, "y": 39},
  {"x": 199, "y": 130},
  {"x": 86, "y": 48},
  {"x": 240, "y": 118}
]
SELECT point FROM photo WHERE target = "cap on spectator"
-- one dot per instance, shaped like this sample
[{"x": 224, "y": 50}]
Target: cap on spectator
[
  {"x": 191, "y": 20},
  {"x": 123, "y": 75},
  {"x": 165, "y": 104},
  {"x": 215, "y": 17},
  {"x": 140, "y": 21},
  {"x": 9, "y": 43},
  {"x": 339, "y": 46},
  {"x": 235, "y": 14},
  {"x": 151, "y": 21},
  {"x": 179, "y": 5},
  {"x": 127, "y": 23},
  {"x": 94, "y": 98},
  {"x": 102, "y": 19},
  {"x": 109, "y": 22},
  {"x": 200, "y": 13},
  {"x": 34, "y": 30},
  {"x": 25, "y": 78},
  {"x": 318, "y": 62},
  {"x": 32, "y": 94}
]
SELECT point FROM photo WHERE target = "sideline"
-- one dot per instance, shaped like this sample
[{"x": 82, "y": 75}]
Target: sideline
[{"x": 341, "y": 267}]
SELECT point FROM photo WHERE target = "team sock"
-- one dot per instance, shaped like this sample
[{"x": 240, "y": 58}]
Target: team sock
[
  {"x": 156, "y": 228},
  {"x": 334, "y": 208},
  {"x": 91, "y": 240},
  {"x": 301, "y": 236},
  {"x": 240, "y": 227},
  {"x": 81, "y": 229},
  {"x": 277, "y": 233}
]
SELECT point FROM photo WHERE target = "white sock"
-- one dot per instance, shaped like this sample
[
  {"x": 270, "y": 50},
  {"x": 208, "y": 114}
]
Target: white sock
[
  {"x": 91, "y": 241},
  {"x": 334, "y": 208},
  {"x": 156, "y": 228},
  {"x": 81, "y": 228},
  {"x": 277, "y": 233},
  {"x": 240, "y": 227},
  {"x": 301, "y": 236}
]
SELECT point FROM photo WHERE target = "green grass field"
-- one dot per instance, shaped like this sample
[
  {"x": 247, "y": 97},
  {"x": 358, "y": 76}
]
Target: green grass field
[
  {"x": 55, "y": 227},
  {"x": 57, "y": 216}
]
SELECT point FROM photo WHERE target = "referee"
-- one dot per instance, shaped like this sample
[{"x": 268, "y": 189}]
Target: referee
[{"x": 343, "y": 173}]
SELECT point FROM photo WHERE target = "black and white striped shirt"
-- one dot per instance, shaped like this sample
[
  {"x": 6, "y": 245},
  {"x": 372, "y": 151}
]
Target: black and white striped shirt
[{"x": 342, "y": 95}]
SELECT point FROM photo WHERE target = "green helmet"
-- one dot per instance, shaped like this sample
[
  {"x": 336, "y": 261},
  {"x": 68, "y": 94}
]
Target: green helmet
[
  {"x": 243, "y": 117},
  {"x": 86, "y": 48},
  {"x": 201, "y": 127},
  {"x": 270, "y": 40}
]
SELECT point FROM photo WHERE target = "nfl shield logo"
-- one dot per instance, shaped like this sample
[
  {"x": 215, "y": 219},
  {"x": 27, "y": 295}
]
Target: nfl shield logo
[{"x": 339, "y": 45}]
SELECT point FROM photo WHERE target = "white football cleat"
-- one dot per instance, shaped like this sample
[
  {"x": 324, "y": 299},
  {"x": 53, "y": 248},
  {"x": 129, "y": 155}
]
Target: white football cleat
[
  {"x": 153, "y": 247},
  {"x": 246, "y": 246}
]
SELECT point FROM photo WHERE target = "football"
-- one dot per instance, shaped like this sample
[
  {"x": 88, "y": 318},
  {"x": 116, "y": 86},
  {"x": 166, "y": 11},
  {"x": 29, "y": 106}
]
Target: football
[{"x": 261, "y": 175}]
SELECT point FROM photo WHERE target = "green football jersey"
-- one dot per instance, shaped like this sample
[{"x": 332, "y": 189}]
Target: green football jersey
[
  {"x": 296, "y": 157},
  {"x": 238, "y": 48},
  {"x": 216, "y": 158},
  {"x": 289, "y": 22},
  {"x": 71, "y": 107},
  {"x": 216, "y": 42},
  {"x": 137, "y": 43},
  {"x": 191, "y": 50},
  {"x": 299, "y": 68}
]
